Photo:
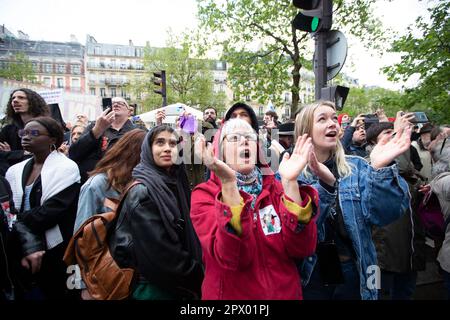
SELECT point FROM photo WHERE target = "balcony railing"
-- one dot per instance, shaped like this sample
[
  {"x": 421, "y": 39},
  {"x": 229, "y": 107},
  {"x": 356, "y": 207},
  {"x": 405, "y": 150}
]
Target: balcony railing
[{"x": 109, "y": 66}]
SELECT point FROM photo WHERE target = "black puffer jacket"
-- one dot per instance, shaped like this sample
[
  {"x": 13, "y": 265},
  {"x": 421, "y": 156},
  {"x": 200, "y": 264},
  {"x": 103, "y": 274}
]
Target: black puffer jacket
[
  {"x": 140, "y": 241},
  {"x": 88, "y": 150}
]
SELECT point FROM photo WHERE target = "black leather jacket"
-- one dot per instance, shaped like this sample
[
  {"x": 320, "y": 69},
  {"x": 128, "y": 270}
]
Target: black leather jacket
[
  {"x": 88, "y": 150},
  {"x": 140, "y": 241}
]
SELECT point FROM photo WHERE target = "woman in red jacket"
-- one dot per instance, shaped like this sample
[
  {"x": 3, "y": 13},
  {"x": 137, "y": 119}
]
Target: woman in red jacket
[{"x": 252, "y": 227}]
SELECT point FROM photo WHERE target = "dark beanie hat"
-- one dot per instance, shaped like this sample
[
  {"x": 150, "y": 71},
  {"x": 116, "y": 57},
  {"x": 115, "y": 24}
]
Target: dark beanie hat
[
  {"x": 286, "y": 129},
  {"x": 247, "y": 108},
  {"x": 375, "y": 129}
]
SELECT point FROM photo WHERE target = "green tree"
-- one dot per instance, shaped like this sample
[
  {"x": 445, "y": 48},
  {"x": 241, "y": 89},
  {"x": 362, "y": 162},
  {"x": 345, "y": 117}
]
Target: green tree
[
  {"x": 189, "y": 76},
  {"x": 264, "y": 72},
  {"x": 425, "y": 53},
  {"x": 368, "y": 100},
  {"x": 18, "y": 68}
]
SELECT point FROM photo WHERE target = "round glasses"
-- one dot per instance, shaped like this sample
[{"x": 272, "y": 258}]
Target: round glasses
[{"x": 34, "y": 133}]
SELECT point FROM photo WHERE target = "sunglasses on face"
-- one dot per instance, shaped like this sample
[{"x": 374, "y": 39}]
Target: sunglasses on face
[{"x": 34, "y": 133}]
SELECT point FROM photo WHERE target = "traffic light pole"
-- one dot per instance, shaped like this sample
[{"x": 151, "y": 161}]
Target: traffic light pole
[{"x": 320, "y": 63}]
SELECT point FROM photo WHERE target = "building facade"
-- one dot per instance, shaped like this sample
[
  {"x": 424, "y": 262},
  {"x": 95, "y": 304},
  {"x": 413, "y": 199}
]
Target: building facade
[
  {"x": 110, "y": 67},
  {"x": 55, "y": 64}
]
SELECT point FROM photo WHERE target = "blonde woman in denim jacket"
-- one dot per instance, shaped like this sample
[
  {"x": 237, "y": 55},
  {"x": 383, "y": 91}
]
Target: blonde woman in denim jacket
[{"x": 353, "y": 196}]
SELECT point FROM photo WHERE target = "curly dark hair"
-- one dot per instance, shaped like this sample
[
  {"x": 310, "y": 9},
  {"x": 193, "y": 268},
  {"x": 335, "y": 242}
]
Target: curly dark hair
[{"x": 37, "y": 106}]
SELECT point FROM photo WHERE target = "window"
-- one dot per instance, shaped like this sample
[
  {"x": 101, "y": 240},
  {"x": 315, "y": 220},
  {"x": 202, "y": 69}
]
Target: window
[
  {"x": 92, "y": 91},
  {"x": 97, "y": 50},
  {"x": 261, "y": 111},
  {"x": 61, "y": 68},
  {"x": 75, "y": 83},
  {"x": 102, "y": 92},
  {"x": 47, "y": 68},
  {"x": 60, "y": 82},
  {"x": 47, "y": 81},
  {"x": 117, "y": 52},
  {"x": 35, "y": 66},
  {"x": 221, "y": 65},
  {"x": 113, "y": 92},
  {"x": 76, "y": 69},
  {"x": 123, "y": 93}
]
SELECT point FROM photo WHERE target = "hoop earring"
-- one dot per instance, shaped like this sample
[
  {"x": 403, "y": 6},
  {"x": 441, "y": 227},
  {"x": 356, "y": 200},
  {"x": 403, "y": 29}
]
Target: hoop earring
[{"x": 52, "y": 147}]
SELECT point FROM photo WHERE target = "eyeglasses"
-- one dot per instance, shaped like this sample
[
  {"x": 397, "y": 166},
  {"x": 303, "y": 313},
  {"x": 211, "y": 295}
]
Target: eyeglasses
[
  {"x": 235, "y": 137},
  {"x": 120, "y": 104},
  {"x": 34, "y": 133}
]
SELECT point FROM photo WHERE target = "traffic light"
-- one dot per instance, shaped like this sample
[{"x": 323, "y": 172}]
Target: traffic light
[
  {"x": 316, "y": 15},
  {"x": 336, "y": 94},
  {"x": 159, "y": 78}
]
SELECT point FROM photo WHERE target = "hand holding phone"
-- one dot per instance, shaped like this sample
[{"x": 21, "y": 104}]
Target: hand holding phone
[
  {"x": 107, "y": 103},
  {"x": 174, "y": 110}
]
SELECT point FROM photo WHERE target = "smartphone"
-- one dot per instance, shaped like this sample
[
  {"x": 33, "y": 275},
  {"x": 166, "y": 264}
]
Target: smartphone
[
  {"x": 106, "y": 103},
  {"x": 419, "y": 117},
  {"x": 173, "y": 110},
  {"x": 370, "y": 119}
]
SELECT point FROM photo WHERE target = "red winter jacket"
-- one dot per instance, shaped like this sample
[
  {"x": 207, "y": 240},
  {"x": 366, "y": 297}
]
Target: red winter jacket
[{"x": 255, "y": 265}]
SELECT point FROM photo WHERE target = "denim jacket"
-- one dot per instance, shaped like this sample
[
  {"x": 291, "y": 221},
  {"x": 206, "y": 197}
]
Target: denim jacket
[
  {"x": 92, "y": 195},
  {"x": 367, "y": 197}
]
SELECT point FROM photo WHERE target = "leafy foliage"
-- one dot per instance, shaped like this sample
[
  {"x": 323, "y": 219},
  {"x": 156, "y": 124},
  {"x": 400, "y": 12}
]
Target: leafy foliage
[
  {"x": 264, "y": 51},
  {"x": 189, "y": 80},
  {"x": 426, "y": 56},
  {"x": 18, "y": 68}
]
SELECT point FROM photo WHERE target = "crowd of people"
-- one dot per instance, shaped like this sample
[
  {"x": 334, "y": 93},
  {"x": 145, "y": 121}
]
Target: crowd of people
[{"x": 324, "y": 207}]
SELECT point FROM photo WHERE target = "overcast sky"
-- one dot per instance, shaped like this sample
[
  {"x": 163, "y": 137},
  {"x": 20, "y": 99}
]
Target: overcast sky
[{"x": 114, "y": 21}]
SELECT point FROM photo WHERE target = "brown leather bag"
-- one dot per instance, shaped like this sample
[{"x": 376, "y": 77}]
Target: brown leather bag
[{"x": 89, "y": 248}]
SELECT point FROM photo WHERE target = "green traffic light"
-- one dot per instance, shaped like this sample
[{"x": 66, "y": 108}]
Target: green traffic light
[{"x": 314, "y": 23}]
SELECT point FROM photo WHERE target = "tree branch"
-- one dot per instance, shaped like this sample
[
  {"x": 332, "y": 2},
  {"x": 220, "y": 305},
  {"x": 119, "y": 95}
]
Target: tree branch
[
  {"x": 279, "y": 60},
  {"x": 270, "y": 34}
]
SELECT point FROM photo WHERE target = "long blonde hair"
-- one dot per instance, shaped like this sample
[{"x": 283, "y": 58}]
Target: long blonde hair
[{"x": 304, "y": 123}]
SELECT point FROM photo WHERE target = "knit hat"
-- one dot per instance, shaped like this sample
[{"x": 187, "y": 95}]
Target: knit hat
[
  {"x": 249, "y": 110},
  {"x": 341, "y": 116},
  {"x": 286, "y": 129},
  {"x": 375, "y": 129}
]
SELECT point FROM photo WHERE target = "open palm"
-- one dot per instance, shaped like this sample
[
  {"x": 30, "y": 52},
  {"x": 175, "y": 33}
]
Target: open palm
[
  {"x": 291, "y": 166},
  {"x": 220, "y": 168},
  {"x": 387, "y": 150}
]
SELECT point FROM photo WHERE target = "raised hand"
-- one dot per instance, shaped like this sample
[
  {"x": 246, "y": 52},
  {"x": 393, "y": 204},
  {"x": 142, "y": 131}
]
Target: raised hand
[
  {"x": 160, "y": 116},
  {"x": 403, "y": 120},
  {"x": 388, "y": 149},
  {"x": 4, "y": 146},
  {"x": 320, "y": 170},
  {"x": 103, "y": 122},
  {"x": 292, "y": 165},
  {"x": 220, "y": 168}
]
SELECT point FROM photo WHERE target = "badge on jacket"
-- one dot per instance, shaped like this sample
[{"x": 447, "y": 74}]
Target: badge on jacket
[{"x": 270, "y": 221}]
